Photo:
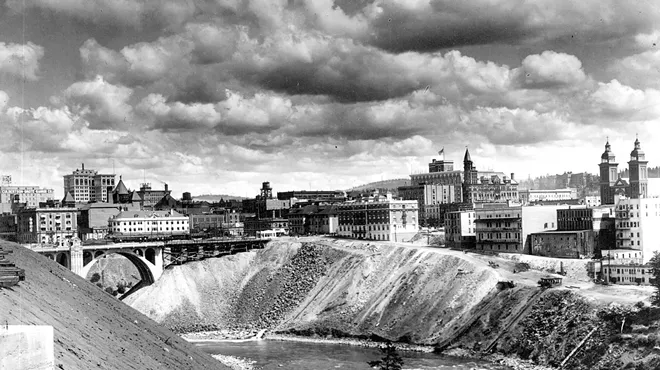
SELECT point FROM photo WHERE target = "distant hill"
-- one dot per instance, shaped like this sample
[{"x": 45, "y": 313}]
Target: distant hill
[
  {"x": 217, "y": 197},
  {"x": 382, "y": 185}
]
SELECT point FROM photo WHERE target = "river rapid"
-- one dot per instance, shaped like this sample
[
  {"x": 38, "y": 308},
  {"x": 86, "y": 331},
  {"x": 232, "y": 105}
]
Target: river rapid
[{"x": 273, "y": 354}]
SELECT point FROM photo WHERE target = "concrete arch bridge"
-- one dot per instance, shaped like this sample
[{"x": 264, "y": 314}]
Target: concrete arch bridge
[{"x": 150, "y": 258}]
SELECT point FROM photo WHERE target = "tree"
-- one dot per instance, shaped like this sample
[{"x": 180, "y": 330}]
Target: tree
[
  {"x": 391, "y": 359},
  {"x": 95, "y": 277},
  {"x": 655, "y": 280}
]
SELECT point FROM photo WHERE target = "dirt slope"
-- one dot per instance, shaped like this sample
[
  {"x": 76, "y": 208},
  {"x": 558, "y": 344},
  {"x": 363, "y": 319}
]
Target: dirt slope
[
  {"x": 321, "y": 286},
  {"x": 91, "y": 328}
]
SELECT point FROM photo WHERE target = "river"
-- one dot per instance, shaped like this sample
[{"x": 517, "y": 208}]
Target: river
[{"x": 270, "y": 354}]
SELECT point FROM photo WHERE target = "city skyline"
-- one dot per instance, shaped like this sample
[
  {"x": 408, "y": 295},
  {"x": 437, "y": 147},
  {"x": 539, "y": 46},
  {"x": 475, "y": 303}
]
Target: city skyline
[{"x": 217, "y": 98}]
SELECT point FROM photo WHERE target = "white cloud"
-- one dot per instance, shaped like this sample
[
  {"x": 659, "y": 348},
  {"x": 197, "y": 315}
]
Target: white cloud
[
  {"x": 551, "y": 69},
  {"x": 103, "y": 104},
  {"x": 20, "y": 60}
]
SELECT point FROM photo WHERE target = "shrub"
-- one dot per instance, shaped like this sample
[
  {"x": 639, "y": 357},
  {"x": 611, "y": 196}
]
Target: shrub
[{"x": 95, "y": 277}]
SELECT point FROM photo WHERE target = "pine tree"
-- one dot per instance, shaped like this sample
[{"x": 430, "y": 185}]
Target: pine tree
[{"x": 391, "y": 359}]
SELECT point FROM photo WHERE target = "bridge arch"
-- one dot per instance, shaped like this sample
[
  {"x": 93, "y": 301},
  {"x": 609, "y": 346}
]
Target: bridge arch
[
  {"x": 63, "y": 259},
  {"x": 149, "y": 270}
]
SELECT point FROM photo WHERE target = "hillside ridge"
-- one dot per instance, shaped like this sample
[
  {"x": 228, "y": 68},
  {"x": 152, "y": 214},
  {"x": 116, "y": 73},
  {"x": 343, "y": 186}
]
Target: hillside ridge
[{"x": 91, "y": 328}]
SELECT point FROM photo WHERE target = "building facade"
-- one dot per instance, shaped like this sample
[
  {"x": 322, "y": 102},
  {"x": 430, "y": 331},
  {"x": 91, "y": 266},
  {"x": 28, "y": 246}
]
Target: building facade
[
  {"x": 150, "y": 197},
  {"x": 637, "y": 225},
  {"x": 320, "y": 195},
  {"x": 253, "y": 224},
  {"x": 149, "y": 223},
  {"x": 531, "y": 196},
  {"x": 429, "y": 199},
  {"x": 460, "y": 229},
  {"x": 564, "y": 244},
  {"x": 51, "y": 226},
  {"x": 87, "y": 185},
  {"x": 378, "y": 217},
  {"x": 487, "y": 186},
  {"x": 30, "y": 195},
  {"x": 612, "y": 184}
]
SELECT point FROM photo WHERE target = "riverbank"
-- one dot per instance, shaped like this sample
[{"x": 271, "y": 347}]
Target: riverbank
[{"x": 238, "y": 363}]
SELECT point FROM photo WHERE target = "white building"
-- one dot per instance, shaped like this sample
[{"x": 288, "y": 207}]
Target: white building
[
  {"x": 638, "y": 225},
  {"x": 378, "y": 217},
  {"x": 530, "y": 196},
  {"x": 148, "y": 223},
  {"x": 32, "y": 195}
]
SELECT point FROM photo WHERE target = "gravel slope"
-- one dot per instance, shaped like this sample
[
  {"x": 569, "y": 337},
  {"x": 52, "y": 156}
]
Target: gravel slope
[{"x": 324, "y": 286}]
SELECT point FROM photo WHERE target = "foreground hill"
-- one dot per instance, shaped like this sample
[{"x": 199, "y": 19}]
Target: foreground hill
[{"x": 91, "y": 328}]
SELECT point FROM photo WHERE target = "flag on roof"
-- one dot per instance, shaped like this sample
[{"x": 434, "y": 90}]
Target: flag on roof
[{"x": 442, "y": 151}]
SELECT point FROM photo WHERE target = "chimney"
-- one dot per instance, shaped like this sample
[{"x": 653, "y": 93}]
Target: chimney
[
  {"x": 165, "y": 186},
  {"x": 512, "y": 178},
  {"x": 83, "y": 166}
]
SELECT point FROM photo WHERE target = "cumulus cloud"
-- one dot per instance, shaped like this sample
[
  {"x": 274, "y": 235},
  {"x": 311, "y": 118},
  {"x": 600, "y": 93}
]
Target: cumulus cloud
[
  {"x": 20, "y": 60},
  {"x": 639, "y": 70},
  {"x": 504, "y": 126},
  {"x": 235, "y": 115},
  {"x": 551, "y": 69},
  {"x": 102, "y": 104},
  {"x": 138, "y": 64},
  {"x": 619, "y": 101}
]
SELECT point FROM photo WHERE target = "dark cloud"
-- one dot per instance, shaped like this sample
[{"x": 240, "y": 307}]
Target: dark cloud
[{"x": 439, "y": 24}]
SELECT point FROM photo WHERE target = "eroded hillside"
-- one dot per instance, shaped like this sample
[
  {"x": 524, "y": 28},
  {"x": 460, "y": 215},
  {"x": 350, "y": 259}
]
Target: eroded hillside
[{"x": 92, "y": 329}]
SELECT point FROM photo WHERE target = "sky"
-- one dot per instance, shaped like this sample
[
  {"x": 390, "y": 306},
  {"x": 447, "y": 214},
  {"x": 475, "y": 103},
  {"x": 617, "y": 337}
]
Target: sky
[{"x": 217, "y": 96}]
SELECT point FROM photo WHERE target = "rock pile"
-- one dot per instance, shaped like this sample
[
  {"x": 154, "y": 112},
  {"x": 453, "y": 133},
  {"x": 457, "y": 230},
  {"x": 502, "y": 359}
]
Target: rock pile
[{"x": 271, "y": 294}]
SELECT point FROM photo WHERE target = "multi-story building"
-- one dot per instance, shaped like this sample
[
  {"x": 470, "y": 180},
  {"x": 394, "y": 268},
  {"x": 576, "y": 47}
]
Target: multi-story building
[
  {"x": 624, "y": 266},
  {"x": 150, "y": 197},
  {"x": 93, "y": 222},
  {"x": 487, "y": 186},
  {"x": 253, "y": 224},
  {"x": 460, "y": 229},
  {"x": 429, "y": 198},
  {"x": 52, "y": 225},
  {"x": 87, "y": 185},
  {"x": 499, "y": 229},
  {"x": 378, "y": 217},
  {"x": 531, "y": 196},
  {"x": 325, "y": 221},
  {"x": 214, "y": 221},
  {"x": 564, "y": 243},
  {"x": 30, "y": 195},
  {"x": 508, "y": 229},
  {"x": 149, "y": 223},
  {"x": 637, "y": 225},
  {"x": 313, "y": 219},
  {"x": 612, "y": 184},
  {"x": 319, "y": 195}
]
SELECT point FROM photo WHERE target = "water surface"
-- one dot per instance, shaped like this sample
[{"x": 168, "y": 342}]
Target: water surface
[{"x": 271, "y": 354}]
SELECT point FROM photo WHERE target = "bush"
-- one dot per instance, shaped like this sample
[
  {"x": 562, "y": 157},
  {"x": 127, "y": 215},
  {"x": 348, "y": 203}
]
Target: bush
[
  {"x": 108, "y": 290},
  {"x": 95, "y": 277},
  {"x": 522, "y": 266}
]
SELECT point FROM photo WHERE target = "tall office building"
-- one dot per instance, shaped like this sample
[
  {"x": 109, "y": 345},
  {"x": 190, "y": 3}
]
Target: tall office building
[{"x": 87, "y": 185}]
